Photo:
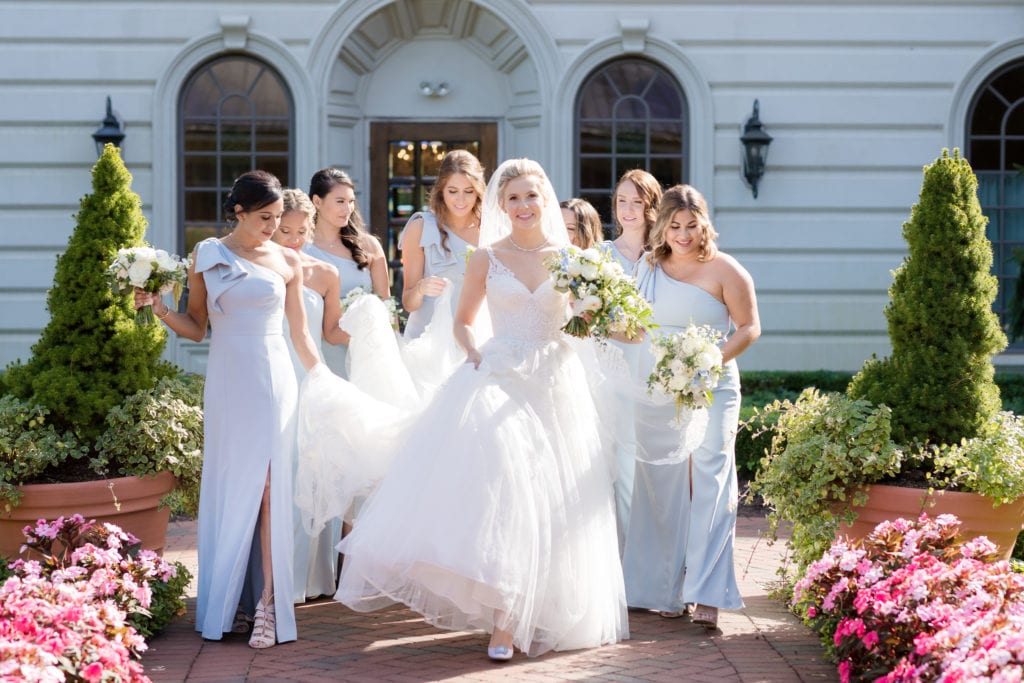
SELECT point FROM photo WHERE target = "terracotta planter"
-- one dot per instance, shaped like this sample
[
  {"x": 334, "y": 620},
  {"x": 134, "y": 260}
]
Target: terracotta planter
[
  {"x": 132, "y": 503},
  {"x": 977, "y": 515}
]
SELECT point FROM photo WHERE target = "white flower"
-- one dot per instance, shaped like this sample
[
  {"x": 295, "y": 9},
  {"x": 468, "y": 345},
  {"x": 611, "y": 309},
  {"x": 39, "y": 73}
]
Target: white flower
[
  {"x": 706, "y": 360},
  {"x": 590, "y": 271},
  {"x": 677, "y": 366},
  {"x": 611, "y": 270},
  {"x": 139, "y": 272},
  {"x": 591, "y": 254},
  {"x": 165, "y": 261},
  {"x": 145, "y": 253},
  {"x": 592, "y": 303},
  {"x": 678, "y": 383},
  {"x": 689, "y": 345}
]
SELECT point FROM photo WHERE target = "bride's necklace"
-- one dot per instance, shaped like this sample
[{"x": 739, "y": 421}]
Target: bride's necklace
[{"x": 536, "y": 248}]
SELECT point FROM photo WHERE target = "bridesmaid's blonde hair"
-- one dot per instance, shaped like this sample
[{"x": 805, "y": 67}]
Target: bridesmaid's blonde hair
[
  {"x": 297, "y": 200},
  {"x": 676, "y": 199}
]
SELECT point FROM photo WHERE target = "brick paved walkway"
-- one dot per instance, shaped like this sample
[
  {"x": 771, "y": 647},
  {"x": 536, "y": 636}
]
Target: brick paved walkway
[{"x": 761, "y": 643}]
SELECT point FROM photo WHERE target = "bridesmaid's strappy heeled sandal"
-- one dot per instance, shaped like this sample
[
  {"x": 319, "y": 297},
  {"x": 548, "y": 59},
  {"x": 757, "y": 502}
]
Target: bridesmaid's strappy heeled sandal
[
  {"x": 705, "y": 616},
  {"x": 264, "y": 629},
  {"x": 672, "y": 615},
  {"x": 241, "y": 623}
]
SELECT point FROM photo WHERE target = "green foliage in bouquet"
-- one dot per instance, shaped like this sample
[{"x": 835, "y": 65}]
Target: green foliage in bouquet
[
  {"x": 938, "y": 381},
  {"x": 91, "y": 355}
]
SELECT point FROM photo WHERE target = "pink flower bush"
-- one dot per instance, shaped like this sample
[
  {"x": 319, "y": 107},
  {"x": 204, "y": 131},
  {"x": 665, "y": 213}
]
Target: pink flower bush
[
  {"x": 50, "y": 631},
  {"x": 76, "y": 612},
  {"x": 910, "y": 604}
]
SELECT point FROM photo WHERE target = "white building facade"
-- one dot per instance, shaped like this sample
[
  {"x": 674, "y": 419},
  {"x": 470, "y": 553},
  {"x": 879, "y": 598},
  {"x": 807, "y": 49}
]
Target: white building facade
[{"x": 858, "y": 97}]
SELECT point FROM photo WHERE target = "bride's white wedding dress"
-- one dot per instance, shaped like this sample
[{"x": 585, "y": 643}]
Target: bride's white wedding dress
[{"x": 497, "y": 502}]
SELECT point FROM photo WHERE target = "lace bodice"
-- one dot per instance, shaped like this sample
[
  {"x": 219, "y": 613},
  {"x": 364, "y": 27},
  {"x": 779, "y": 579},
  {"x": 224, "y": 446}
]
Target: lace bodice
[{"x": 518, "y": 313}]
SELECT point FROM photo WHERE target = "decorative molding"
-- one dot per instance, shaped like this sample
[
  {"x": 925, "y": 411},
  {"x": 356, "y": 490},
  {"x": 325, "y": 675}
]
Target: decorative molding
[
  {"x": 634, "y": 33},
  {"x": 235, "y": 29},
  {"x": 967, "y": 88}
]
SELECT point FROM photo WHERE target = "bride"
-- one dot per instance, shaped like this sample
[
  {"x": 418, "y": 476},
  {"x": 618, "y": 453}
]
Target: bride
[{"x": 496, "y": 510}]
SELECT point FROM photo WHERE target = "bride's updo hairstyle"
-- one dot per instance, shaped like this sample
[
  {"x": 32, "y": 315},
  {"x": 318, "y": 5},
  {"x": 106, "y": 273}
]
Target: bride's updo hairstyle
[
  {"x": 320, "y": 185},
  {"x": 455, "y": 162},
  {"x": 676, "y": 199},
  {"x": 252, "y": 191}
]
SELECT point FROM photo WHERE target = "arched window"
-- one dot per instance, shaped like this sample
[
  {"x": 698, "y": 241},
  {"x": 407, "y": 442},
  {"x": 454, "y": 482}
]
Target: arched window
[
  {"x": 995, "y": 149},
  {"x": 630, "y": 113},
  {"x": 235, "y": 115}
]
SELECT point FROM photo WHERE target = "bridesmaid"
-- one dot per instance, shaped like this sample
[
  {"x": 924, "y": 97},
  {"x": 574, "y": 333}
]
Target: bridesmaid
[
  {"x": 436, "y": 243},
  {"x": 244, "y": 285},
  {"x": 316, "y": 560},
  {"x": 634, "y": 209},
  {"x": 341, "y": 239},
  {"x": 581, "y": 222},
  {"x": 679, "y": 549}
]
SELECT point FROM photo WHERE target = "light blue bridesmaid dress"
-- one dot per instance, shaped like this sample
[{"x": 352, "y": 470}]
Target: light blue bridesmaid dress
[
  {"x": 249, "y": 408},
  {"x": 679, "y": 549},
  {"x": 625, "y": 438},
  {"x": 336, "y": 356},
  {"x": 450, "y": 264},
  {"x": 316, "y": 559}
]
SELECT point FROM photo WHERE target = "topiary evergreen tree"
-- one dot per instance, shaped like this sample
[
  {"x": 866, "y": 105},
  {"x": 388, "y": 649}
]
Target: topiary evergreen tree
[
  {"x": 938, "y": 381},
  {"x": 92, "y": 355}
]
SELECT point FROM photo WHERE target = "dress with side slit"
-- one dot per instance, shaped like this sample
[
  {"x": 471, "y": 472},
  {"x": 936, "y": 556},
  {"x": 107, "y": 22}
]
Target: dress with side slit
[{"x": 249, "y": 408}]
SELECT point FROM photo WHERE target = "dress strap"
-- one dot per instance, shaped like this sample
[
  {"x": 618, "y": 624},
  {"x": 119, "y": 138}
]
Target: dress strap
[{"x": 646, "y": 278}]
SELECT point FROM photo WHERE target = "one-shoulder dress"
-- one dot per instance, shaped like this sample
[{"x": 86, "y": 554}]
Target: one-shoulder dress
[
  {"x": 249, "y": 408},
  {"x": 679, "y": 548}
]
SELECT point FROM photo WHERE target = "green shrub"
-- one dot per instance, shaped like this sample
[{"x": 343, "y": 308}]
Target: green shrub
[
  {"x": 762, "y": 387},
  {"x": 29, "y": 446},
  {"x": 825, "y": 447},
  {"x": 155, "y": 430},
  {"x": 939, "y": 378},
  {"x": 91, "y": 355},
  {"x": 168, "y": 601}
]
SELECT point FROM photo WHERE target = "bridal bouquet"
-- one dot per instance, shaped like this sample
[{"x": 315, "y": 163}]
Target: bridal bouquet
[
  {"x": 151, "y": 270},
  {"x": 356, "y": 292},
  {"x": 687, "y": 366},
  {"x": 605, "y": 299}
]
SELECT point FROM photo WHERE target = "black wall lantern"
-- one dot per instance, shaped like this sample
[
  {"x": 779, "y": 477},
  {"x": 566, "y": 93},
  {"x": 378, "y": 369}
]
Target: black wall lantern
[
  {"x": 755, "y": 149},
  {"x": 111, "y": 130}
]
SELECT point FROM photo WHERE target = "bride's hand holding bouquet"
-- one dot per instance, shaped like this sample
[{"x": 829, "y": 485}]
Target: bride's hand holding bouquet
[
  {"x": 605, "y": 300},
  {"x": 152, "y": 271}
]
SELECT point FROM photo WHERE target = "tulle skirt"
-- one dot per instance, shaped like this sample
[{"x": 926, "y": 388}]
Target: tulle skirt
[{"x": 496, "y": 509}]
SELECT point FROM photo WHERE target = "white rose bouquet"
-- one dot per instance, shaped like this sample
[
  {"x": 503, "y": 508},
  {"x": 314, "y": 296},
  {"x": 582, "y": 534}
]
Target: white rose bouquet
[
  {"x": 687, "y": 366},
  {"x": 151, "y": 270},
  {"x": 390, "y": 304},
  {"x": 605, "y": 299}
]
